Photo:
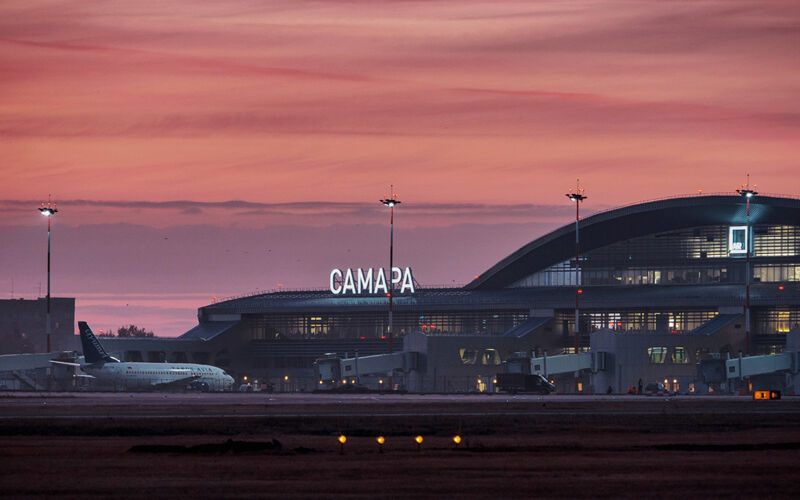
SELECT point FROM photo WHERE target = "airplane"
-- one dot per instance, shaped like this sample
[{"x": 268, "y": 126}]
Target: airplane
[{"x": 137, "y": 375}]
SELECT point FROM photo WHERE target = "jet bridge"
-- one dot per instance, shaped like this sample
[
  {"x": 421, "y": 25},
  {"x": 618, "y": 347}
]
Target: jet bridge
[
  {"x": 568, "y": 363},
  {"x": 332, "y": 368},
  {"x": 743, "y": 367}
]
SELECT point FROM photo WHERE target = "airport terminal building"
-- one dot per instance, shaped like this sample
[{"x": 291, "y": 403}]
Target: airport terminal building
[{"x": 669, "y": 269}]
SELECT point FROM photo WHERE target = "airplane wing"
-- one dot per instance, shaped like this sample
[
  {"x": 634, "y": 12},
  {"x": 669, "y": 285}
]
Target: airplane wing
[
  {"x": 67, "y": 363},
  {"x": 64, "y": 363},
  {"x": 179, "y": 382}
]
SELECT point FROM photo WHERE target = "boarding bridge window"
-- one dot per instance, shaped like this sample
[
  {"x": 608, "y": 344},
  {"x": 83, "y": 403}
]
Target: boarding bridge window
[
  {"x": 680, "y": 356},
  {"x": 657, "y": 355},
  {"x": 490, "y": 357},
  {"x": 468, "y": 356}
]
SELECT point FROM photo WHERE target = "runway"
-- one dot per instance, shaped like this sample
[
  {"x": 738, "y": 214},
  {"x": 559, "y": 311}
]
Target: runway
[{"x": 240, "y": 405}]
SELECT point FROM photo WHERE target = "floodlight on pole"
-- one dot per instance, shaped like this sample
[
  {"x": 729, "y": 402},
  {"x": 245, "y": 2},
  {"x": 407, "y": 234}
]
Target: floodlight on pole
[
  {"x": 390, "y": 202},
  {"x": 747, "y": 192},
  {"x": 48, "y": 210},
  {"x": 577, "y": 196}
]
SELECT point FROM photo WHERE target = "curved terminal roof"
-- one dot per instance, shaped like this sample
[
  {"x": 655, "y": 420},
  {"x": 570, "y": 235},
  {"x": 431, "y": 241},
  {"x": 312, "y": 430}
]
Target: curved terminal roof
[
  {"x": 632, "y": 221},
  {"x": 708, "y": 296}
]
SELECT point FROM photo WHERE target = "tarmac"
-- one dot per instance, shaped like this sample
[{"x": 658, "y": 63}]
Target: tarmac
[
  {"x": 172, "y": 405},
  {"x": 262, "y": 445}
]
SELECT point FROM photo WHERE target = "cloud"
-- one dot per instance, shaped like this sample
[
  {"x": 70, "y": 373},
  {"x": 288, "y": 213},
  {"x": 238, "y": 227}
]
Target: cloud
[
  {"x": 656, "y": 29},
  {"x": 166, "y": 213},
  {"x": 473, "y": 101}
]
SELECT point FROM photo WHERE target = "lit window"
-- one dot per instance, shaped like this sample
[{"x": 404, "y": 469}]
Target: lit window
[
  {"x": 468, "y": 356},
  {"x": 679, "y": 355},
  {"x": 490, "y": 357},
  {"x": 657, "y": 354},
  {"x": 784, "y": 318}
]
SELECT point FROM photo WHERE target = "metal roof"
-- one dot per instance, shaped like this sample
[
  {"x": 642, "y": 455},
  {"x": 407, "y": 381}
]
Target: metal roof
[
  {"x": 709, "y": 296},
  {"x": 489, "y": 291},
  {"x": 716, "y": 324},
  {"x": 526, "y": 327},
  {"x": 632, "y": 221},
  {"x": 208, "y": 330}
]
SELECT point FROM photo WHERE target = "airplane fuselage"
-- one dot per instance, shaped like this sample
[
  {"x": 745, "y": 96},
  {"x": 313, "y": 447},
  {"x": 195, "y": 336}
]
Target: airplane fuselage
[{"x": 134, "y": 375}]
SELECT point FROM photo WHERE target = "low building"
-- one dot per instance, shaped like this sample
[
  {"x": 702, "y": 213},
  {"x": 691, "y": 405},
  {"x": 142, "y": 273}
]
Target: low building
[{"x": 23, "y": 325}]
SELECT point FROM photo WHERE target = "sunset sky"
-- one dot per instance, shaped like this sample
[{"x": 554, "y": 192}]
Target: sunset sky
[{"x": 207, "y": 148}]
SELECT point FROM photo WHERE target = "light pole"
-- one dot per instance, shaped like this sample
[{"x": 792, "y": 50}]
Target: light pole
[
  {"x": 577, "y": 196},
  {"x": 390, "y": 202},
  {"x": 747, "y": 193},
  {"x": 48, "y": 210}
]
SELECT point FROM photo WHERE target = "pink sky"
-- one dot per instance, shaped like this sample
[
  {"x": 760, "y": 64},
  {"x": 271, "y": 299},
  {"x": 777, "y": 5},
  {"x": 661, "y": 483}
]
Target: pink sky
[{"x": 302, "y": 114}]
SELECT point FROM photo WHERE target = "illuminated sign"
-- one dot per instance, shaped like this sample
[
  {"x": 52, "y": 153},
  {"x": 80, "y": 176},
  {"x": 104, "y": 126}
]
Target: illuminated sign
[
  {"x": 737, "y": 239},
  {"x": 358, "y": 281}
]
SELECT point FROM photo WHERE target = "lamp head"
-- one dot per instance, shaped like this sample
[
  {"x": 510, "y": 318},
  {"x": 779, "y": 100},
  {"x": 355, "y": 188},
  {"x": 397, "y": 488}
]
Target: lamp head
[
  {"x": 746, "y": 191},
  {"x": 48, "y": 209},
  {"x": 390, "y": 202},
  {"x": 576, "y": 196}
]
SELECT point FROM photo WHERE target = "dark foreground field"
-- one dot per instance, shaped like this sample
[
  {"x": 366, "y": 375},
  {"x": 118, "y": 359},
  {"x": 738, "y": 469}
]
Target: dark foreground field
[{"x": 213, "y": 446}]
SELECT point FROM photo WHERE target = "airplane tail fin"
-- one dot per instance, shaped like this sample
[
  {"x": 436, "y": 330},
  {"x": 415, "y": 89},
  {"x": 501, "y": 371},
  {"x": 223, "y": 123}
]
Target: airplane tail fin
[{"x": 92, "y": 350}]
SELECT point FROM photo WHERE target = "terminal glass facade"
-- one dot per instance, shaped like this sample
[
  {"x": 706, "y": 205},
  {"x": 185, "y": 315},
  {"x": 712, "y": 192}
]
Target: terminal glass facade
[
  {"x": 700, "y": 255},
  {"x": 375, "y": 324},
  {"x": 635, "y": 320},
  {"x": 777, "y": 321}
]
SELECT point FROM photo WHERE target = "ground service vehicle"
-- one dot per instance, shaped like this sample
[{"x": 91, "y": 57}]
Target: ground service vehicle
[{"x": 523, "y": 382}]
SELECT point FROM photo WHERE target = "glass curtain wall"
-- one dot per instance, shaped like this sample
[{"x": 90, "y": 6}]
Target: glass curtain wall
[
  {"x": 690, "y": 256},
  {"x": 374, "y": 324},
  {"x": 635, "y": 321}
]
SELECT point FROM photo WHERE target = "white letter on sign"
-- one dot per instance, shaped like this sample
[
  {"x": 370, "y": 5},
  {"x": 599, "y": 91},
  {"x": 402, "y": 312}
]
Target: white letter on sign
[
  {"x": 380, "y": 282},
  {"x": 336, "y": 290},
  {"x": 397, "y": 275},
  {"x": 408, "y": 281},
  {"x": 364, "y": 281},
  {"x": 349, "y": 285}
]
